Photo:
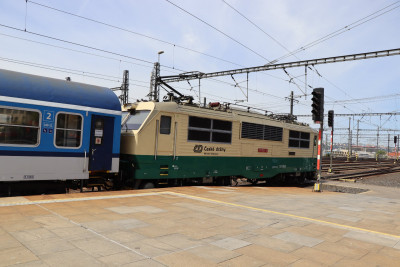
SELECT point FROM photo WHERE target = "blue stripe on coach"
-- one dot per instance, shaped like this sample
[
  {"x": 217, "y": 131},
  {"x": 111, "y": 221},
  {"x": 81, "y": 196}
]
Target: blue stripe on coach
[{"x": 46, "y": 154}]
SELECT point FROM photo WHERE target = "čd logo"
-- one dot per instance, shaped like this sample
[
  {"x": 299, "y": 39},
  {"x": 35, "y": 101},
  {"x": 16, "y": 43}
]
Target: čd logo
[{"x": 198, "y": 148}]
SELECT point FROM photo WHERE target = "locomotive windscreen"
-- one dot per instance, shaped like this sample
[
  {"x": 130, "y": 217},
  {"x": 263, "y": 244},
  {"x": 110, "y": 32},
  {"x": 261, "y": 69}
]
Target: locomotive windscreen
[{"x": 134, "y": 121}]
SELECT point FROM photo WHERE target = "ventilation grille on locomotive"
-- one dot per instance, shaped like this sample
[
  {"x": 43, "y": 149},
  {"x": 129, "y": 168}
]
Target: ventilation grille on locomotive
[{"x": 261, "y": 132}]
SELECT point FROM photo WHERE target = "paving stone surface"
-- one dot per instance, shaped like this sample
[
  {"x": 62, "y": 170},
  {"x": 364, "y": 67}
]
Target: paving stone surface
[
  {"x": 184, "y": 258},
  {"x": 298, "y": 239},
  {"x": 344, "y": 217},
  {"x": 373, "y": 238},
  {"x": 120, "y": 259},
  {"x": 213, "y": 253},
  {"x": 48, "y": 246},
  {"x": 16, "y": 255},
  {"x": 203, "y": 226},
  {"x": 230, "y": 243},
  {"x": 72, "y": 258}
]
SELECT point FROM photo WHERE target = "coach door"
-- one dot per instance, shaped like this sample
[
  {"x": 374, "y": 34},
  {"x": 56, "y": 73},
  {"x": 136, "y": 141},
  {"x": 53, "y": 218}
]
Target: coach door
[
  {"x": 165, "y": 135},
  {"x": 101, "y": 143}
]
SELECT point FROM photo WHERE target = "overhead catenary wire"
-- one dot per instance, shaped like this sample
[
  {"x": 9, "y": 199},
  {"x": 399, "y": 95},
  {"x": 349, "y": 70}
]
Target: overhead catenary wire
[
  {"x": 218, "y": 30},
  {"x": 144, "y": 35},
  {"x": 104, "y": 76},
  {"x": 215, "y": 28},
  {"x": 365, "y": 99},
  {"x": 70, "y": 71},
  {"x": 341, "y": 30},
  {"x": 343, "y": 91},
  {"x": 109, "y": 52},
  {"x": 91, "y": 74},
  {"x": 281, "y": 45},
  {"x": 86, "y": 46},
  {"x": 86, "y": 73},
  {"x": 255, "y": 25},
  {"x": 120, "y": 28},
  {"x": 80, "y": 73},
  {"x": 74, "y": 50},
  {"x": 133, "y": 32},
  {"x": 75, "y": 43}
]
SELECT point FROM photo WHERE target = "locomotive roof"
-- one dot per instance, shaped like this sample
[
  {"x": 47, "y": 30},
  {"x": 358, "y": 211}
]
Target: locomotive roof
[
  {"x": 22, "y": 85},
  {"x": 218, "y": 113}
]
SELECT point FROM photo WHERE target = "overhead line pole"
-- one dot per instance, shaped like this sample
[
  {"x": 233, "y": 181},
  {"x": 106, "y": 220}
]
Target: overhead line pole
[
  {"x": 349, "y": 142},
  {"x": 352, "y": 57},
  {"x": 358, "y": 129}
]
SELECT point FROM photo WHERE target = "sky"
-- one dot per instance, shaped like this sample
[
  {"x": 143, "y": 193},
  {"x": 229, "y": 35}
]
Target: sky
[{"x": 94, "y": 41}]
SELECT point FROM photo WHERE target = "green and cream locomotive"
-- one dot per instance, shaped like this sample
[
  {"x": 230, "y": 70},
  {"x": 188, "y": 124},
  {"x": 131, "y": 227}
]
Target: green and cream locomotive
[{"x": 174, "y": 143}]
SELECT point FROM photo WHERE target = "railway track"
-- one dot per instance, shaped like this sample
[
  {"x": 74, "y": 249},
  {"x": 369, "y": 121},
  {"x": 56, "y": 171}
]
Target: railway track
[
  {"x": 346, "y": 166},
  {"x": 359, "y": 169}
]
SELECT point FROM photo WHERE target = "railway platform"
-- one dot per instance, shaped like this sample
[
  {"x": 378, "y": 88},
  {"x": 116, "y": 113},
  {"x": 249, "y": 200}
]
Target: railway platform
[{"x": 203, "y": 226}]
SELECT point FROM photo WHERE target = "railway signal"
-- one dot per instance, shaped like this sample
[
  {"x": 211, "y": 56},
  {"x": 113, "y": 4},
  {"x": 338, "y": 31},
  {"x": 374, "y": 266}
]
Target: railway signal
[
  {"x": 318, "y": 105},
  {"x": 395, "y": 149},
  {"x": 330, "y": 118},
  {"x": 318, "y": 117},
  {"x": 330, "y": 124}
]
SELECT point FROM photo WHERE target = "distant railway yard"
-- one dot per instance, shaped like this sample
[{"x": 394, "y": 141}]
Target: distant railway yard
[{"x": 382, "y": 172}]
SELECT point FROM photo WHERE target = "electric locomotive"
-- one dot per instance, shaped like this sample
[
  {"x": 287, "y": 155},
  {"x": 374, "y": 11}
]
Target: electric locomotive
[{"x": 173, "y": 143}]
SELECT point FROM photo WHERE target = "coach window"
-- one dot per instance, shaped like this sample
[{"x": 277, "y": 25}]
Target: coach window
[
  {"x": 165, "y": 125},
  {"x": 299, "y": 139},
  {"x": 68, "y": 130},
  {"x": 19, "y": 127}
]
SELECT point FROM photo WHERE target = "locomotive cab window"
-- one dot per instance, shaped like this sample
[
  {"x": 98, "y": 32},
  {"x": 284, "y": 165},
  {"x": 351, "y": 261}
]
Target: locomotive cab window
[
  {"x": 68, "y": 130},
  {"x": 165, "y": 125},
  {"x": 209, "y": 130},
  {"x": 299, "y": 139},
  {"x": 19, "y": 127},
  {"x": 135, "y": 120}
]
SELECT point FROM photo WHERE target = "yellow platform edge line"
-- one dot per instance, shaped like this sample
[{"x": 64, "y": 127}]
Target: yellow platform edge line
[
  {"x": 61, "y": 200},
  {"x": 289, "y": 215}
]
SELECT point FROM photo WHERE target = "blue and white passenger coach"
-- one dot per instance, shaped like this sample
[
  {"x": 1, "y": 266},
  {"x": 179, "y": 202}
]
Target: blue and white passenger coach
[{"x": 55, "y": 129}]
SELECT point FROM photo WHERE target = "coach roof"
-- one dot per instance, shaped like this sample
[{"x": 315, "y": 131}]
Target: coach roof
[{"x": 21, "y": 85}]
